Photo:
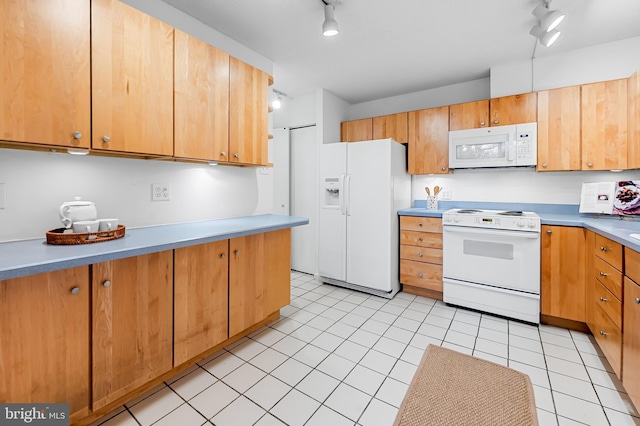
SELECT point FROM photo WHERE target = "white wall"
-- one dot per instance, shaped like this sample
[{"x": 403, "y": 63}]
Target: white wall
[
  {"x": 447, "y": 95},
  {"x": 38, "y": 182},
  {"x": 608, "y": 61},
  {"x": 334, "y": 111},
  {"x": 516, "y": 185}
]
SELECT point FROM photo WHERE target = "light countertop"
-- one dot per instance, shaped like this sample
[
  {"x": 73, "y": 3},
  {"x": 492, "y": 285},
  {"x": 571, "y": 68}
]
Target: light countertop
[{"x": 28, "y": 257}]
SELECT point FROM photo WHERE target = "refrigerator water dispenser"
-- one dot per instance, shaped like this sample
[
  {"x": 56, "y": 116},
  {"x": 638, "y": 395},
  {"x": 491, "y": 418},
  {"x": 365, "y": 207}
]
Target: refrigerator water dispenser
[{"x": 332, "y": 192}]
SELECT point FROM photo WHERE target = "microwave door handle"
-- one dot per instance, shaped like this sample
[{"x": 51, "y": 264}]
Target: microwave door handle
[{"x": 512, "y": 150}]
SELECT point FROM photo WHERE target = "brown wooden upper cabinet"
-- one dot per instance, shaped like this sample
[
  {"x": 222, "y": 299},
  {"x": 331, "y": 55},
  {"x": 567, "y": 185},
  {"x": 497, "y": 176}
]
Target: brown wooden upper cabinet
[
  {"x": 469, "y": 115},
  {"x": 633, "y": 137},
  {"x": 248, "y": 117},
  {"x": 356, "y": 130},
  {"x": 201, "y": 101},
  {"x": 131, "y": 93},
  {"x": 604, "y": 125},
  {"x": 45, "y": 85},
  {"x": 393, "y": 126},
  {"x": 514, "y": 109},
  {"x": 559, "y": 135},
  {"x": 429, "y": 141}
]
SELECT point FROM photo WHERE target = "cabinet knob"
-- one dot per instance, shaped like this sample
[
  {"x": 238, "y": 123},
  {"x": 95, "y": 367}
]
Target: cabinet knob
[
  {"x": 75, "y": 290},
  {"x": 603, "y": 333},
  {"x": 496, "y": 121},
  {"x": 603, "y": 249},
  {"x": 420, "y": 274},
  {"x": 77, "y": 135},
  {"x": 223, "y": 153},
  {"x": 420, "y": 254},
  {"x": 589, "y": 164},
  {"x": 222, "y": 256},
  {"x": 603, "y": 274},
  {"x": 549, "y": 231},
  {"x": 443, "y": 169},
  {"x": 637, "y": 299},
  {"x": 603, "y": 299},
  {"x": 544, "y": 164},
  {"x": 236, "y": 155},
  {"x": 236, "y": 252},
  {"x": 106, "y": 283},
  {"x": 420, "y": 224},
  {"x": 482, "y": 123},
  {"x": 420, "y": 239},
  {"x": 106, "y": 139}
]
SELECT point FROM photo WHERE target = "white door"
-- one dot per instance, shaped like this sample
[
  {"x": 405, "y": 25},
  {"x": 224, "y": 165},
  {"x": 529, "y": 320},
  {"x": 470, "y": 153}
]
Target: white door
[
  {"x": 332, "y": 219},
  {"x": 281, "y": 173},
  {"x": 369, "y": 214},
  {"x": 304, "y": 190}
]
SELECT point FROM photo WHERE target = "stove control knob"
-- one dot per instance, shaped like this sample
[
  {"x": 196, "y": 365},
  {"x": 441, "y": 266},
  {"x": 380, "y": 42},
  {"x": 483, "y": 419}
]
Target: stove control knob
[
  {"x": 521, "y": 224},
  {"x": 456, "y": 219},
  {"x": 531, "y": 224},
  {"x": 447, "y": 219}
]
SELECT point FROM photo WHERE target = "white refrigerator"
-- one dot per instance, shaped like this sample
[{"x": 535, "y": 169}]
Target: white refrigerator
[{"x": 362, "y": 187}]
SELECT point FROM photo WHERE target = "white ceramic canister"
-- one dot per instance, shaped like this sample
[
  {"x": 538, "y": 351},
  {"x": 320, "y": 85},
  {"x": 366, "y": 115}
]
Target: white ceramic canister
[{"x": 77, "y": 210}]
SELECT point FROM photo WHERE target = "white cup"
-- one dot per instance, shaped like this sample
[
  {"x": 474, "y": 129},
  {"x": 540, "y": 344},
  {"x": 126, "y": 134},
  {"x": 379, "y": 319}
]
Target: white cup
[
  {"x": 86, "y": 226},
  {"x": 108, "y": 225}
]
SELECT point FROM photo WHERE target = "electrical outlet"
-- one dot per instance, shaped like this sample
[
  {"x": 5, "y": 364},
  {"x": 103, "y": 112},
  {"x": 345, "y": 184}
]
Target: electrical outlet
[
  {"x": 445, "y": 194},
  {"x": 160, "y": 192},
  {"x": 3, "y": 195}
]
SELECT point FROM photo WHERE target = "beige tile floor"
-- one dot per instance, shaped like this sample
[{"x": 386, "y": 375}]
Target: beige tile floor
[{"x": 340, "y": 357}]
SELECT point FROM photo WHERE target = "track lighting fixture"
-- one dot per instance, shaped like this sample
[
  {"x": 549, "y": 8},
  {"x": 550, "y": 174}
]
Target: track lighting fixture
[
  {"x": 548, "y": 20},
  {"x": 329, "y": 26},
  {"x": 277, "y": 102}
]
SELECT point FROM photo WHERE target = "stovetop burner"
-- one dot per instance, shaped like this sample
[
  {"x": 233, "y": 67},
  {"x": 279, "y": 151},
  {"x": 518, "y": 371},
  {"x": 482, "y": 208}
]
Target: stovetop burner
[
  {"x": 468, "y": 211},
  {"x": 512, "y": 213}
]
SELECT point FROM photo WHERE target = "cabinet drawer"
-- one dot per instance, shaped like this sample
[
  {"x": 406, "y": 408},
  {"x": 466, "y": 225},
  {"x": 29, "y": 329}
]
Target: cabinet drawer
[
  {"x": 424, "y": 224},
  {"x": 421, "y": 254},
  {"x": 610, "y": 251},
  {"x": 609, "y": 338},
  {"x": 609, "y": 276},
  {"x": 418, "y": 274},
  {"x": 632, "y": 264},
  {"x": 422, "y": 239},
  {"x": 608, "y": 302}
]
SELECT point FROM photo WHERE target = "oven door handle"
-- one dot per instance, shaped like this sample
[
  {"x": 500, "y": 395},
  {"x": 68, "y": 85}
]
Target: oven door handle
[{"x": 493, "y": 232}]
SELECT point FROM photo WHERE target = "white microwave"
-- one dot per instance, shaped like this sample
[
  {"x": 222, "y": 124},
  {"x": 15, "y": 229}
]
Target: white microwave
[{"x": 502, "y": 146}]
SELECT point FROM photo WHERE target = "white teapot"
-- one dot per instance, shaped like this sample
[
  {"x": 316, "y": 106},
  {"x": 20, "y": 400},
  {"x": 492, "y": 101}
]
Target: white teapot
[{"x": 73, "y": 211}]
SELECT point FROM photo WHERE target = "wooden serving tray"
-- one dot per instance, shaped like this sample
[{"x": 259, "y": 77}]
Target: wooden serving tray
[{"x": 58, "y": 237}]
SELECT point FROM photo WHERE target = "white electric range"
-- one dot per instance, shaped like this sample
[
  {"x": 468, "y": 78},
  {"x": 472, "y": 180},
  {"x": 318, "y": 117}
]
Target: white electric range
[{"x": 491, "y": 262}]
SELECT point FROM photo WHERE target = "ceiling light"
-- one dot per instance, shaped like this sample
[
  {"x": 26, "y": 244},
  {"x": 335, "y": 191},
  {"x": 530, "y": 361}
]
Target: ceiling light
[
  {"x": 277, "y": 102},
  {"x": 77, "y": 151},
  {"x": 329, "y": 26},
  {"x": 547, "y": 38},
  {"x": 549, "y": 19}
]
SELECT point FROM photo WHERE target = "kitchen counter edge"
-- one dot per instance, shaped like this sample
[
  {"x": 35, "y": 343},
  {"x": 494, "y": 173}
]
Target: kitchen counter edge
[
  {"x": 611, "y": 227},
  {"x": 30, "y": 257}
]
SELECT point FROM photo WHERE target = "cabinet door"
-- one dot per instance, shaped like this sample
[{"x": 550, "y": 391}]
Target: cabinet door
[
  {"x": 469, "y": 115},
  {"x": 132, "y": 324},
  {"x": 515, "y": 109},
  {"x": 259, "y": 277},
  {"x": 200, "y": 299},
  {"x": 633, "y": 104},
  {"x": 391, "y": 126},
  {"x": 356, "y": 130},
  {"x": 248, "y": 113},
  {"x": 44, "y": 339},
  {"x": 559, "y": 129},
  {"x": 201, "y": 100},
  {"x": 132, "y": 80},
  {"x": 631, "y": 341},
  {"x": 563, "y": 272},
  {"x": 44, "y": 64},
  {"x": 429, "y": 141},
  {"x": 604, "y": 125}
]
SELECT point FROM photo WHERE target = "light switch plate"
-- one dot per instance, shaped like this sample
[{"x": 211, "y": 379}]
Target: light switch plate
[
  {"x": 160, "y": 192},
  {"x": 3, "y": 195}
]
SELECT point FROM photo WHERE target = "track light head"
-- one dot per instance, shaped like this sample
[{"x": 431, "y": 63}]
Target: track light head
[
  {"x": 329, "y": 26},
  {"x": 549, "y": 19},
  {"x": 546, "y": 38}
]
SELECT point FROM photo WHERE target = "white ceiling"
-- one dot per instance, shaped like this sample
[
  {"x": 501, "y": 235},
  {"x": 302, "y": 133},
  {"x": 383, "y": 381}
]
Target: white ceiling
[{"x": 393, "y": 47}]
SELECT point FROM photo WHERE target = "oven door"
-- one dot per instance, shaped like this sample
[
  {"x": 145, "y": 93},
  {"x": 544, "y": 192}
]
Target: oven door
[{"x": 499, "y": 258}]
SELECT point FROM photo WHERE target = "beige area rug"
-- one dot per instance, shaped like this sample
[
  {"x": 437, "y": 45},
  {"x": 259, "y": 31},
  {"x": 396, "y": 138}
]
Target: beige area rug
[{"x": 450, "y": 388}]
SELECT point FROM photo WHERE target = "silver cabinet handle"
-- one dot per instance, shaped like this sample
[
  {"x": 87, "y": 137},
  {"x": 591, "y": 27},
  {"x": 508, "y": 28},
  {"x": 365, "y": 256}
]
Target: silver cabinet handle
[
  {"x": 549, "y": 231},
  {"x": 107, "y": 283},
  {"x": 637, "y": 299},
  {"x": 77, "y": 135},
  {"x": 420, "y": 254},
  {"x": 222, "y": 256},
  {"x": 495, "y": 121},
  {"x": 420, "y": 224},
  {"x": 603, "y": 299},
  {"x": 482, "y": 123},
  {"x": 420, "y": 274},
  {"x": 589, "y": 164},
  {"x": 603, "y": 274},
  {"x": 223, "y": 153},
  {"x": 603, "y": 249},
  {"x": 106, "y": 139},
  {"x": 236, "y": 155},
  {"x": 602, "y": 333},
  {"x": 420, "y": 239},
  {"x": 544, "y": 164},
  {"x": 75, "y": 290},
  {"x": 236, "y": 252},
  {"x": 443, "y": 169}
]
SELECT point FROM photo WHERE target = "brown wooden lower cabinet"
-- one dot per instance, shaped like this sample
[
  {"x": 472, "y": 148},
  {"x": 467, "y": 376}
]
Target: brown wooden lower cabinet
[
  {"x": 421, "y": 255},
  {"x": 132, "y": 337},
  {"x": 631, "y": 343},
  {"x": 44, "y": 339}
]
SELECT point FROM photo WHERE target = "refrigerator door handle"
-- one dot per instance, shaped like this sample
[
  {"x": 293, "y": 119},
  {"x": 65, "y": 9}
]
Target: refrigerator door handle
[
  {"x": 348, "y": 194},
  {"x": 341, "y": 195}
]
